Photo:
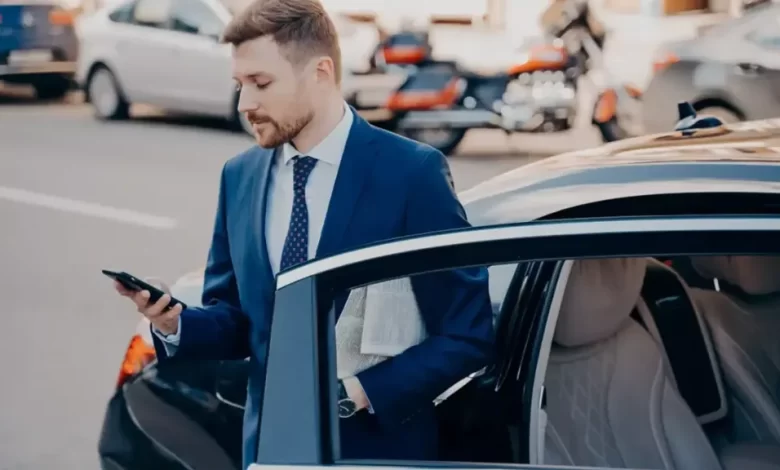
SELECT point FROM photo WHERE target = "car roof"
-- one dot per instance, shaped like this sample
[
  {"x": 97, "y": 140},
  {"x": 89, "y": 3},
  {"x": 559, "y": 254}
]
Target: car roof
[{"x": 737, "y": 158}]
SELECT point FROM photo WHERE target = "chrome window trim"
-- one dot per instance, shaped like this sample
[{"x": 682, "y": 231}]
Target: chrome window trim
[
  {"x": 541, "y": 365},
  {"x": 525, "y": 231}
]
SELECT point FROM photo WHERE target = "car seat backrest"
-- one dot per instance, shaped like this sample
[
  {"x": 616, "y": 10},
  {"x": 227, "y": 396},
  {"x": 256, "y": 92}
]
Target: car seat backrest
[
  {"x": 667, "y": 310},
  {"x": 744, "y": 320},
  {"x": 754, "y": 275},
  {"x": 610, "y": 402}
]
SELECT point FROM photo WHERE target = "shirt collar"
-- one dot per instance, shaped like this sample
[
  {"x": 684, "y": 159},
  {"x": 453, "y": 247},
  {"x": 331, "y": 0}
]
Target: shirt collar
[{"x": 332, "y": 146}]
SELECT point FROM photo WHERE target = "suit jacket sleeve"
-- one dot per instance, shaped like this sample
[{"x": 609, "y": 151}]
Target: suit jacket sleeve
[
  {"x": 218, "y": 330},
  {"x": 455, "y": 305}
]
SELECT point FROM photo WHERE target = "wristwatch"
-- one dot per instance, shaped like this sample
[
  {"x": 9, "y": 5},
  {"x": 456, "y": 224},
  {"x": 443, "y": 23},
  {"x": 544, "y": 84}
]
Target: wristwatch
[{"x": 347, "y": 406}]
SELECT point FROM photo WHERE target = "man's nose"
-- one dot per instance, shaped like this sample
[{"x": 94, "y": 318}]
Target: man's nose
[{"x": 247, "y": 101}]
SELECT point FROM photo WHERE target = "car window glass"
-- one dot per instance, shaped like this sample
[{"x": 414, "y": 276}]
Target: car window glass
[
  {"x": 767, "y": 35},
  {"x": 123, "y": 14},
  {"x": 153, "y": 13},
  {"x": 194, "y": 17},
  {"x": 378, "y": 321},
  {"x": 500, "y": 276}
]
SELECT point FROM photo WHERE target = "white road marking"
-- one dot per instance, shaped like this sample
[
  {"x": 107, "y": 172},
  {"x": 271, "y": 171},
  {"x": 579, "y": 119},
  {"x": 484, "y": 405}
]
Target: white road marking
[{"x": 87, "y": 208}]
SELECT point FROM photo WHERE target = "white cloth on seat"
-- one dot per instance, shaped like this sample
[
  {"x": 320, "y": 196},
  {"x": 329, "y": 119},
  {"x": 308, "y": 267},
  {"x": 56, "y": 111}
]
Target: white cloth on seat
[{"x": 378, "y": 321}]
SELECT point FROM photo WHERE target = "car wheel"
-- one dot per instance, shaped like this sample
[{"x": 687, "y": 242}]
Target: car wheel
[
  {"x": 52, "y": 88},
  {"x": 725, "y": 115},
  {"x": 106, "y": 97}
]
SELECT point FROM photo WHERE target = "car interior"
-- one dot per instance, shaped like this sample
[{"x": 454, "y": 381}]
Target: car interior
[{"x": 658, "y": 363}]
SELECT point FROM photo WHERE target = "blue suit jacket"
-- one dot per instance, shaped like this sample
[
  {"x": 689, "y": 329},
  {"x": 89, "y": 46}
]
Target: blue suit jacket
[{"x": 387, "y": 186}]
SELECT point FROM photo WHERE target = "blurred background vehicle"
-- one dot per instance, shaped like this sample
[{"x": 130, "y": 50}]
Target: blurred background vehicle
[
  {"x": 731, "y": 70},
  {"x": 38, "y": 45},
  {"x": 167, "y": 53},
  {"x": 164, "y": 53},
  {"x": 440, "y": 101}
]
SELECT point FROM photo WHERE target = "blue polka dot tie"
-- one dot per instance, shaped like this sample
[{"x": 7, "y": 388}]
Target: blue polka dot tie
[{"x": 296, "y": 245}]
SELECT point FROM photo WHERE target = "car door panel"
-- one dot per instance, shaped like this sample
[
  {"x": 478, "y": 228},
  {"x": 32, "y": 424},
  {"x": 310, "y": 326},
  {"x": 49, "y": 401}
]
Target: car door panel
[
  {"x": 297, "y": 425},
  {"x": 144, "y": 52},
  {"x": 203, "y": 69}
]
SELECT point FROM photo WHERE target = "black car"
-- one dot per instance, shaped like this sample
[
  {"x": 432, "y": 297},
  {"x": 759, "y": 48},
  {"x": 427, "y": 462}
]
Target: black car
[
  {"x": 665, "y": 391},
  {"x": 38, "y": 46},
  {"x": 731, "y": 70}
]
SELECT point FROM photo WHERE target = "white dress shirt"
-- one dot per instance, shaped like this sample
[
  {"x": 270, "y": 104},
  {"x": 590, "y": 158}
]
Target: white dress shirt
[{"x": 319, "y": 188}]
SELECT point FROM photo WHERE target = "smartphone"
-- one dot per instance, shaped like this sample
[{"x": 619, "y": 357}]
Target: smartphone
[{"x": 133, "y": 283}]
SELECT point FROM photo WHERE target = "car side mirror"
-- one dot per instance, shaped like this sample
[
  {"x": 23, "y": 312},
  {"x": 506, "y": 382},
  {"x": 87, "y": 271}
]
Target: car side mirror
[{"x": 232, "y": 379}]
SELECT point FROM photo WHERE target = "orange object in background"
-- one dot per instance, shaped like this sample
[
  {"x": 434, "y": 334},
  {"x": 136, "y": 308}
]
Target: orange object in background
[
  {"x": 424, "y": 99},
  {"x": 540, "y": 57},
  {"x": 404, "y": 55},
  {"x": 606, "y": 104},
  {"x": 137, "y": 356},
  {"x": 664, "y": 59},
  {"x": 60, "y": 18}
]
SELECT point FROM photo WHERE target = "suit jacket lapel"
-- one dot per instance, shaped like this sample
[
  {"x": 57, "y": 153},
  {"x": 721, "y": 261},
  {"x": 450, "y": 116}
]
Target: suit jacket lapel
[
  {"x": 354, "y": 171},
  {"x": 259, "y": 196}
]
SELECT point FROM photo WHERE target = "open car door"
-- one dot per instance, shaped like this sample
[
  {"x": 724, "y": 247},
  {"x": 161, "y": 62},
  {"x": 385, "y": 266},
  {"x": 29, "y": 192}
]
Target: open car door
[{"x": 299, "y": 420}]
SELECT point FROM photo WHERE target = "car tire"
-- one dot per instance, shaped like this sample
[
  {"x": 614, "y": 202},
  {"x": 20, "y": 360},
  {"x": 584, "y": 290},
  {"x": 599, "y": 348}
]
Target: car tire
[
  {"x": 108, "y": 101},
  {"x": 726, "y": 115},
  {"x": 52, "y": 88}
]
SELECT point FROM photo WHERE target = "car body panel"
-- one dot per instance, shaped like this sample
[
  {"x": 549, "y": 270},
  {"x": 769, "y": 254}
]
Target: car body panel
[
  {"x": 743, "y": 157},
  {"x": 36, "y": 38},
  {"x": 726, "y": 66}
]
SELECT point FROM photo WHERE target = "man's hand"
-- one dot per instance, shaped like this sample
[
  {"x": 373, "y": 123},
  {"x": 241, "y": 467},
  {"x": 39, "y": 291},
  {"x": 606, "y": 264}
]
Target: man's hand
[{"x": 167, "y": 322}]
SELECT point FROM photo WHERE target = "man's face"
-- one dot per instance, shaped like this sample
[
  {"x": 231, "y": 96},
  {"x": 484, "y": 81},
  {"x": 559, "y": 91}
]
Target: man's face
[{"x": 276, "y": 96}]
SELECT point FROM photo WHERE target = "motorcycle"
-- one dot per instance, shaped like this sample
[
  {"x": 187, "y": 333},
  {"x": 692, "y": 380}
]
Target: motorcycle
[{"x": 438, "y": 101}]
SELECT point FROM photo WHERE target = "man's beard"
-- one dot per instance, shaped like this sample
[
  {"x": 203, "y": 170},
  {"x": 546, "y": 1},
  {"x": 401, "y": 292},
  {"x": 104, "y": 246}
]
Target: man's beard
[{"x": 275, "y": 134}]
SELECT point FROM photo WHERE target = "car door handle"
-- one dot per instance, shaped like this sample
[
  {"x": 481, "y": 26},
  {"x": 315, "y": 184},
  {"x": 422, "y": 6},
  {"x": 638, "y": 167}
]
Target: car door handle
[{"x": 747, "y": 68}]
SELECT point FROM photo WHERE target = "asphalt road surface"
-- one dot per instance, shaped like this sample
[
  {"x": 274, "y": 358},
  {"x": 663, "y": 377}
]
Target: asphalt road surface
[{"x": 76, "y": 196}]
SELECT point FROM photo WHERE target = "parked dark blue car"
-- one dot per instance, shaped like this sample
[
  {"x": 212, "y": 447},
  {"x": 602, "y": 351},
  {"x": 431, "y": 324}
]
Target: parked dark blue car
[{"x": 38, "y": 46}]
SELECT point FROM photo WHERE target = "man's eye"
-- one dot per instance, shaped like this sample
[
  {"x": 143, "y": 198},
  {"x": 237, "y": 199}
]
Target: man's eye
[{"x": 262, "y": 86}]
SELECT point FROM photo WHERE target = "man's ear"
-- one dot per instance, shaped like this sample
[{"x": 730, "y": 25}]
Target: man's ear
[{"x": 325, "y": 69}]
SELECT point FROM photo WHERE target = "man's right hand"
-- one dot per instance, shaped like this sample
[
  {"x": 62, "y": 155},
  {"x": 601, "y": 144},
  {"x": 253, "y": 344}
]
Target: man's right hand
[{"x": 167, "y": 322}]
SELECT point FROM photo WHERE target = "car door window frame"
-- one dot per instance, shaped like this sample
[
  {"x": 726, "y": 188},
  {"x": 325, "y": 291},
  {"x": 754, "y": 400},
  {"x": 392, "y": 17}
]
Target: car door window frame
[
  {"x": 162, "y": 25},
  {"x": 298, "y": 426},
  {"x": 217, "y": 18}
]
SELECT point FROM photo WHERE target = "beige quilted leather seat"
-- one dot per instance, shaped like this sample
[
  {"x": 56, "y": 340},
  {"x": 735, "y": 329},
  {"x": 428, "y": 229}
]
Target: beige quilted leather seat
[
  {"x": 610, "y": 401},
  {"x": 745, "y": 328}
]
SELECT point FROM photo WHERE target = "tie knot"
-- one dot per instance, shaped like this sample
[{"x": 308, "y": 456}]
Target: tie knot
[{"x": 302, "y": 168}]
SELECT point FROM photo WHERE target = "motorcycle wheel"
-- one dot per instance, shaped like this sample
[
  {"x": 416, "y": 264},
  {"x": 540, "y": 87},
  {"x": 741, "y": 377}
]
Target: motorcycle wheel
[{"x": 443, "y": 140}]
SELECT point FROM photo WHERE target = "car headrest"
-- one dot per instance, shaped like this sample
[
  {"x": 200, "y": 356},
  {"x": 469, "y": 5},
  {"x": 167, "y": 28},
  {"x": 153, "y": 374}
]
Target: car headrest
[
  {"x": 599, "y": 297},
  {"x": 755, "y": 275}
]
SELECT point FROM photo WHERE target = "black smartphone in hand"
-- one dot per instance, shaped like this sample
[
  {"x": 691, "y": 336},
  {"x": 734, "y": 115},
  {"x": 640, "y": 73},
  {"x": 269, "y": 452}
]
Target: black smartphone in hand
[{"x": 133, "y": 283}]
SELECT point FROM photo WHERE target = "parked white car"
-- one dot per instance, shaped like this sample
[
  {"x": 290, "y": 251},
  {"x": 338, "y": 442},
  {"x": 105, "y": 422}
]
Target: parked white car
[{"x": 167, "y": 53}]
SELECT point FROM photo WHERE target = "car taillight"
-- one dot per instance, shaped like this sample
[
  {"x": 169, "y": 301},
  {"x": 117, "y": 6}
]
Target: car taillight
[
  {"x": 139, "y": 353},
  {"x": 60, "y": 18},
  {"x": 663, "y": 60}
]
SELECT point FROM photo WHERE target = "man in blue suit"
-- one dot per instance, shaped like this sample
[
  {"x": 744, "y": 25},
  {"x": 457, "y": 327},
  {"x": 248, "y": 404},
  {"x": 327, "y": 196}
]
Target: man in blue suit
[{"x": 322, "y": 181}]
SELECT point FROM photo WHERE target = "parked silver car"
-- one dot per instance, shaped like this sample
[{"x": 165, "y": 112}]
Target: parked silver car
[{"x": 167, "y": 53}]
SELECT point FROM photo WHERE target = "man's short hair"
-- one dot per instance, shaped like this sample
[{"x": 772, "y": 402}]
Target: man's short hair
[{"x": 301, "y": 28}]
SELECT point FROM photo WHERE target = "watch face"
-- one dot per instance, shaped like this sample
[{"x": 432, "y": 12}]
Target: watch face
[{"x": 346, "y": 408}]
